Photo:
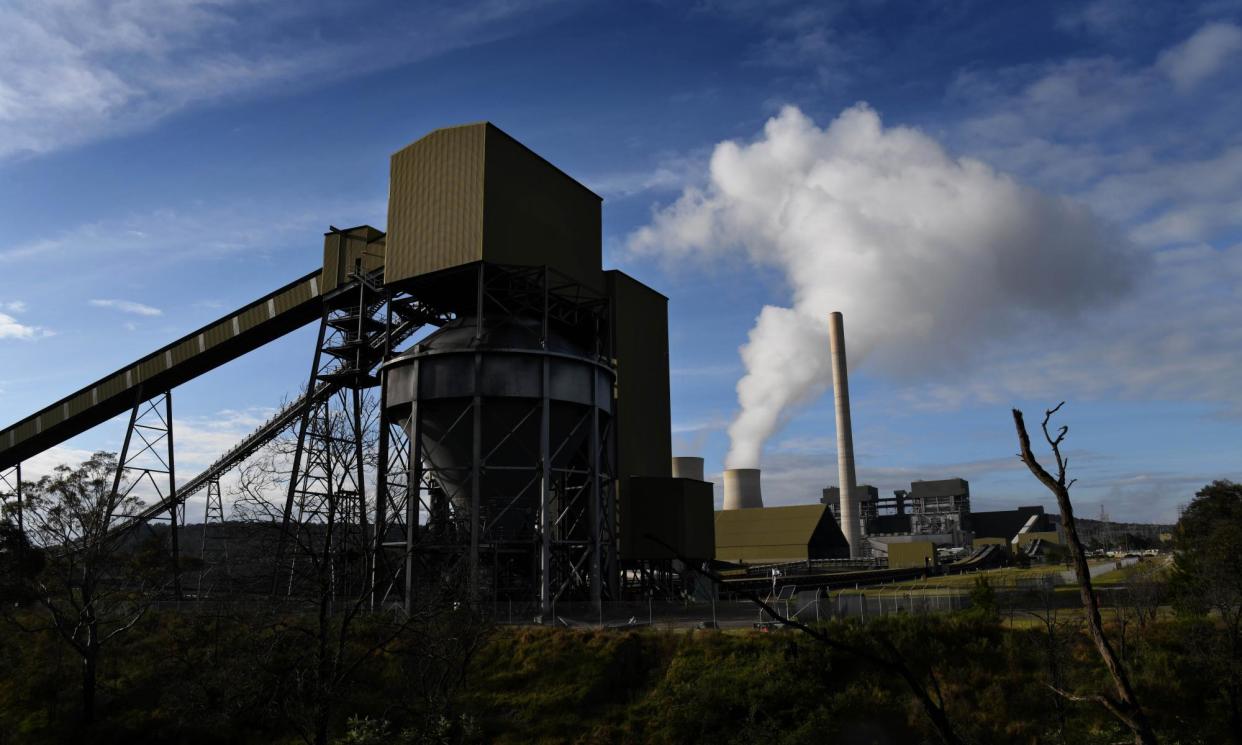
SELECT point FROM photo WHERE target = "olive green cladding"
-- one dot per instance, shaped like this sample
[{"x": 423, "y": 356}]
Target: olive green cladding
[
  {"x": 640, "y": 343},
  {"x": 473, "y": 193}
]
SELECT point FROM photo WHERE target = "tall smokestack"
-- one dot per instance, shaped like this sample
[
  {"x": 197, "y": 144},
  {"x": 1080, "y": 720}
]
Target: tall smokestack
[
  {"x": 741, "y": 489},
  {"x": 845, "y": 438}
]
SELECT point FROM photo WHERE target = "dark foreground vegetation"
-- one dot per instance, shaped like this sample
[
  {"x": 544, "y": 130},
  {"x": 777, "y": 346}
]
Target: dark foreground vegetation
[
  {"x": 90, "y": 652},
  {"x": 201, "y": 678}
]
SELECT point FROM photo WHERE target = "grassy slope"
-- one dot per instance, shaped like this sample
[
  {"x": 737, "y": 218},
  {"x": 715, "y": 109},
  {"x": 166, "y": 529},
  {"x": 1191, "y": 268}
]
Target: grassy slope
[{"x": 587, "y": 686}]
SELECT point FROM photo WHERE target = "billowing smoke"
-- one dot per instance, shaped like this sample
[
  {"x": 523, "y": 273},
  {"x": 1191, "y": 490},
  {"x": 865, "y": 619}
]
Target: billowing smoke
[{"x": 929, "y": 257}]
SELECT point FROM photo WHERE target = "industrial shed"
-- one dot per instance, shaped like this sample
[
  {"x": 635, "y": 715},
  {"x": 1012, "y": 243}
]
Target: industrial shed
[
  {"x": 1005, "y": 524},
  {"x": 770, "y": 535}
]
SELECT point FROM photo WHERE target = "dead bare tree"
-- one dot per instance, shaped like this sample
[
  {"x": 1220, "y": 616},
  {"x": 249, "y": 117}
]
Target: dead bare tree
[{"x": 1123, "y": 705}]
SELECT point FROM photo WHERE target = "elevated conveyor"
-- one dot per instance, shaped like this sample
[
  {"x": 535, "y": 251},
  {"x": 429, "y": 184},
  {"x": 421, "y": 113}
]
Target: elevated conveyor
[
  {"x": 479, "y": 227},
  {"x": 245, "y": 329},
  {"x": 283, "y": 419}
]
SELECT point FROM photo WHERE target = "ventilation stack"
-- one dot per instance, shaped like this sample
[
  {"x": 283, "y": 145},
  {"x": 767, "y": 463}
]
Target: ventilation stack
[
  {"x": 741, "y": 489},
  {"x": 688, "y": 467},
  {"x": 845, "y": 440}
]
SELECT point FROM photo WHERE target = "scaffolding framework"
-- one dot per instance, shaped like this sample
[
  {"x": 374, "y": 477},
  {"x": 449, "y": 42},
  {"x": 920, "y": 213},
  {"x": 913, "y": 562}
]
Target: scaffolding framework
[
  {"x": 147, "y": 459},
  {"x": 551, "y": 535},
  {"x": 325, "y": 520},
  {"x": 11, "y": 495},
  {"x": 214, "y": 548}
]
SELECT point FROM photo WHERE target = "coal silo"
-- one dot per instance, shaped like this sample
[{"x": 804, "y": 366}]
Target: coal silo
[{"x": 517, "y": 423}]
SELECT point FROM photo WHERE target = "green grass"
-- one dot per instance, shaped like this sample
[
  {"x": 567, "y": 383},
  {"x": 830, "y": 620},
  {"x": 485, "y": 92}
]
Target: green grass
[{"x": 1008, "y": 577}]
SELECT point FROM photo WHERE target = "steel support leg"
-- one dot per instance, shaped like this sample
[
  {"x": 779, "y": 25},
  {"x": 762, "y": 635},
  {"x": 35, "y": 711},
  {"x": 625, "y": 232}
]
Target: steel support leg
[
  {"x": 297, "y": 455},
  {"x": 547, "y": 518},
  {"x": 11, "y": 484},
  {"x": 594, "y": 510},
  {"x": 413, "y": 494},
  {"x": 173, "y": 507}
]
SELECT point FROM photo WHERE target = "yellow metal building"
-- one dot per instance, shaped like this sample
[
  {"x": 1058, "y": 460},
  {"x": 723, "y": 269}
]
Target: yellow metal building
[
  {"x": 911, "y": 554},
  {"x": 772, "y": 535}
]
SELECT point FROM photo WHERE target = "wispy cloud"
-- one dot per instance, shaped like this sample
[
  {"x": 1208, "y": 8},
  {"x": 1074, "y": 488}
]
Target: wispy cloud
[
  {"x": 128, "y": 306},
  {"x": 195, "y": 230},
  {"x": 670, "y": 173},
  {"x": 79, "y": 71},
  {"x": 1099, "y": 128},
  {"x": 796, "y": 38},
  {"x": 10, "y": 328},
  {"x": 1202, "y": 55}
]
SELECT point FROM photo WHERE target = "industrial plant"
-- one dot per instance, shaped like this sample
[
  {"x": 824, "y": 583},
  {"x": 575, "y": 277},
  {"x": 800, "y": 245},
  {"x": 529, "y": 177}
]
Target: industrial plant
[{"x": 522, "y": 441}]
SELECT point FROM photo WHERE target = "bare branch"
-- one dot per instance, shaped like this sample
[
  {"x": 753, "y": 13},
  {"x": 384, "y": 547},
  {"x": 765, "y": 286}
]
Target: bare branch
[
  {"x": 122, "y": 629},
  {"x": 1125, "y": 708}
]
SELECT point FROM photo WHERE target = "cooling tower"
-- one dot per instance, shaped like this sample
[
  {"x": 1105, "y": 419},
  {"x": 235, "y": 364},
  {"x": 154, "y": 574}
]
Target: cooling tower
[
  {"x": 688, "y": 467},
  {"x": 741, "y": 489},
  {"x": 845, "y": 439}
]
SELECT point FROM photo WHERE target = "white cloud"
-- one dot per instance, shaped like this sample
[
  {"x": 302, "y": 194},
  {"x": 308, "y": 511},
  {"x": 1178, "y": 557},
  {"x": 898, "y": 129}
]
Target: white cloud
[
  {"x": 14, "y": 306},
  {"x": 930, "y": 258},
  {"x": 1145, "y": 145},
  {"x": 128, "y": 306},
  {"x": 1202, "y": 55},
  {"x": 10, "y": 328},
  {"x": 44, "y": 463},
  {"x": 670, "y": 173},
  {"x": 75, "y": 71},
  {"x": 201, "y": 440}
]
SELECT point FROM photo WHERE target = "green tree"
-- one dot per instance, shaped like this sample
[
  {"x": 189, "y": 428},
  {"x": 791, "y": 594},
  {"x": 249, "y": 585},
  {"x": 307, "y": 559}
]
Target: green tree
[
  {"x": 1207, "y": 579},
  {"x": 67, "y": 565},
  {"x": 983, "y": 603}
]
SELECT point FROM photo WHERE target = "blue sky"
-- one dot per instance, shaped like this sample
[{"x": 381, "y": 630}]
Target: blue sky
[{"x": 1015, "y": 204}]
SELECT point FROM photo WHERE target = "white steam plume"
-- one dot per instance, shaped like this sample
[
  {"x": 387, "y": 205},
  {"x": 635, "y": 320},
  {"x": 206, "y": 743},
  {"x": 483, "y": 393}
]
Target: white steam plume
[{"x": 929, "y": 257}]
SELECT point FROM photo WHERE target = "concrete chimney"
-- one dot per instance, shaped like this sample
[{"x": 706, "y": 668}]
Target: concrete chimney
[
  {"x": 850, "y": 509},
  {"x": 688, "y": 467},
  {"x": 741, "y": 489}
]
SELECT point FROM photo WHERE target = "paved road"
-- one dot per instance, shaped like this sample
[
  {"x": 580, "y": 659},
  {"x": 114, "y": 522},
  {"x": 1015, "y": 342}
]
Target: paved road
[{"x": 1098, "y": 569}]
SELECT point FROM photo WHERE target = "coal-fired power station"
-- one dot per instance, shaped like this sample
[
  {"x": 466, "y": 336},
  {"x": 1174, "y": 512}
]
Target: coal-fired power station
[
  {"x": 524, "y": 435},
  {"x": 486, "y": 409}
]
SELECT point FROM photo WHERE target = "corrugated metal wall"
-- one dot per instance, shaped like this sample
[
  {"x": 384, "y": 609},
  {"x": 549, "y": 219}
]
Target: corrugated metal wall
[
  {"x": 473, "y": 193},
  {"x": 435, "y": 203},
  {"x": 640, "y": 343},
  {"x": 536, "y": 215},
  {"x": 343, "y": 250},
  {"x": 677, "y": 511}
]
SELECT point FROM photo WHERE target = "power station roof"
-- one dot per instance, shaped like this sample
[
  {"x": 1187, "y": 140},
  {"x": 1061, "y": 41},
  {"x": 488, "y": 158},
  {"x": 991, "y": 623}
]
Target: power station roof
[
  {"x": 940, "y": 488},
  {"x": 1005, "y": 523},
  {"x": 775, "y": 534}
]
